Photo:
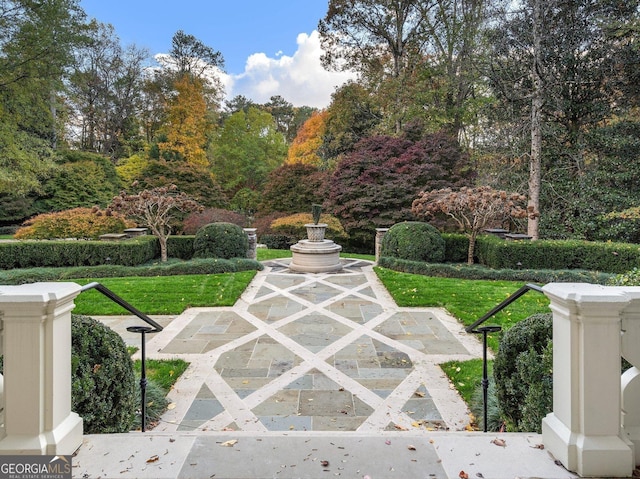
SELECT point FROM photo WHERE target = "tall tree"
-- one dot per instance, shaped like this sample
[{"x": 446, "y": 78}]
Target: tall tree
[
  {"x": 188, "y": 124},
  {"x": 37, "y": 40},
  {"x": 375, "y": 38},
  {"x": 556, "y": 65},
  {"x": 245, "y": 149},
  {"x": 106, "y": 93}
]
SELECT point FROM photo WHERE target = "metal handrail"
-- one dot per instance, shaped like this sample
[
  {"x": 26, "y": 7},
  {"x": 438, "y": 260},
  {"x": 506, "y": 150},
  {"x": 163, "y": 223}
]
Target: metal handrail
[
  {"x": 527, "y": 287},
  {"x": 142, "y": 330},
  {"x": 118, "y": 300},
  {"x": 485, "y": 330}
]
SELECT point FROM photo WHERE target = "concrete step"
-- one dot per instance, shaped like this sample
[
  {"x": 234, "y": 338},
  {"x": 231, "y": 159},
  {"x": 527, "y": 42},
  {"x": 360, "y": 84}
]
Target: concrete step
[{"x": 389, "y": 454}]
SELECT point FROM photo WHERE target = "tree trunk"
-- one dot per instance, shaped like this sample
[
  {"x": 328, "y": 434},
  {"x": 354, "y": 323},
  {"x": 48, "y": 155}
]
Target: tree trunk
[
  {"x": 163, "y": 248},
  {"x": 472, "y": 247},
  {"x": 533, "y": 206}
]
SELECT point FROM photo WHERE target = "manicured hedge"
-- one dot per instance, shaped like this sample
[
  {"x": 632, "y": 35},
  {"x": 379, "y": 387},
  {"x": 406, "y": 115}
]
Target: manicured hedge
[
  {"x": 53, "y": 253},
  {"x": 194, "y": 266},
  {"x": 462, "y": 270},
  {"x": 558, "y": 254},
  {"x": 180, "y": 246}
]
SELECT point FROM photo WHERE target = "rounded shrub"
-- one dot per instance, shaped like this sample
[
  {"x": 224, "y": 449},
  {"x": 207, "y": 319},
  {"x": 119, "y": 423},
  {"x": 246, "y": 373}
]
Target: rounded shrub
[
  {"x": 414, "y": 241},
  {"x": 523, "y": 373},
  {"x": 220, "y": 240},
  {"x": 103, "y": 379}
]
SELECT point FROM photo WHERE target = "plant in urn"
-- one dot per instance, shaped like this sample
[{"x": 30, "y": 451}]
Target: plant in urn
[{"x": 315, "y": 230}]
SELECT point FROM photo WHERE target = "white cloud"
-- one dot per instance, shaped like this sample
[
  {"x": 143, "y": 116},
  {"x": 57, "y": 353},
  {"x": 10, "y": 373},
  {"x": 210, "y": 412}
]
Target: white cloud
[{"x": 299, "y": 79}]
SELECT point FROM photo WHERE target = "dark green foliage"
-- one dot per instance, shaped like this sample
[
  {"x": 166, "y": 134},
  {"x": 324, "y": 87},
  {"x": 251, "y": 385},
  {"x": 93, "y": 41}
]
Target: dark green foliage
[
  {"x": 103, "y": 384},
  {"x": 464, "y": 271},
  {"x": 170, "y": 268},
  {"x": 220, "y": 240},
  {"x": 276, "y": 241},
  {"x": 192, "y": 180},
  {"x": 456, "y": 247},
  {"x": 30, "y": 254},
  {"x": 375, "y": 185},
  {"x": 82, "y": 179},
  {"x": 180, "y": 246},
  {"x": 414, "y": 241},
  {"x": 523, "y": 374},
  {"x": 293, "y": 188}
]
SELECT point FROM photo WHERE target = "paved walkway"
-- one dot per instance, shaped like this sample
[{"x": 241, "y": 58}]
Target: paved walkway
[{"x": 312, "y": 375}]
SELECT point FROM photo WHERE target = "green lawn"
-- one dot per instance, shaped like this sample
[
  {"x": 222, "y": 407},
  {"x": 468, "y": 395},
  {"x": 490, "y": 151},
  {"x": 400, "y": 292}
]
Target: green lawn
[{"x": 164, "y": 294}]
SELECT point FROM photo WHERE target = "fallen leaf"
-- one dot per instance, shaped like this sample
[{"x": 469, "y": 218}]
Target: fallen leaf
[
  {"x": 324, "y": 463},
  {"x": 411, "y": 448},
  {"x": 463, "y": 475},
  {"x": 538, "y": 446},
  {"x": 229, "y": 443},
  {"x": 171, "y": 405},
  {"x": 479, "y": 474},
  {"x": 419, "y": 394},
  {"x": 400, "y": 428},
  {"x": 153, "y": 459},
  {"x": 499, "y": 442}
]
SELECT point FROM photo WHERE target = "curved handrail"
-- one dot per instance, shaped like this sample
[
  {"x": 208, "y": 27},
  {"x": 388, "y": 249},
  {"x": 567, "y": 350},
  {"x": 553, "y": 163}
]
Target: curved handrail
[
  {"x": 118, "y": 300},
  {"x": 524, "y": 289}
]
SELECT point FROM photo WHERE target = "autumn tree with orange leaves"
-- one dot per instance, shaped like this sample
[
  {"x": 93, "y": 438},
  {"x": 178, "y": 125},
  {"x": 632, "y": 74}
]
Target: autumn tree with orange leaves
[
  {"x": 473, "y": 209},
  {"x": 305, "y": 146}
]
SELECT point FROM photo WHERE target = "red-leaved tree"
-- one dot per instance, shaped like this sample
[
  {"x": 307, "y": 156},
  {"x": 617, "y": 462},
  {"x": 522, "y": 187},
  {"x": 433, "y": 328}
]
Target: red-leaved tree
[
  {"x": 158, "y": 209},
  {"x": 473, "y": 209}
]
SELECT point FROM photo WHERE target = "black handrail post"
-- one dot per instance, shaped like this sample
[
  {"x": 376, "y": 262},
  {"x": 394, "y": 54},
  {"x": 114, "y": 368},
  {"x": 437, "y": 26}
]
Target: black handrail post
[
  {"x": 485, "y": 330},
  {"x": 143, "y": 330}
]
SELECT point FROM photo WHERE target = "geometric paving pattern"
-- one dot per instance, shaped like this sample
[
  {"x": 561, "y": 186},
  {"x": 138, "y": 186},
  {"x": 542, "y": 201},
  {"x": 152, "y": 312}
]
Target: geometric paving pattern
[{"x": 314, "y": 352}]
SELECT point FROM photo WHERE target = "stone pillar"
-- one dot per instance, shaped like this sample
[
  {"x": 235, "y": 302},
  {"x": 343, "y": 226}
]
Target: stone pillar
[
  {"x": 380, "y": 232},
  {"x": 37, "y": 370},
  {"x": 253, "y": 243},
  {"x": 584, "y": 430}
]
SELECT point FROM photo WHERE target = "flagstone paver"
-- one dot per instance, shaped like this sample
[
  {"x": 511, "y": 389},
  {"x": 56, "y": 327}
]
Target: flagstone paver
[{"x": 314, "y": 352}]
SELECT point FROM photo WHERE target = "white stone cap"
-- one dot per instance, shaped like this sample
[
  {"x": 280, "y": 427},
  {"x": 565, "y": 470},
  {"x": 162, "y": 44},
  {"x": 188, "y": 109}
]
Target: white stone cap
[{"x": 38, "y": 292}]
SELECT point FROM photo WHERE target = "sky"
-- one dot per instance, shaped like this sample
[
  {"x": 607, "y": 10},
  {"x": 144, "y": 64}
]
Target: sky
[{"x": 270, "y": 47}]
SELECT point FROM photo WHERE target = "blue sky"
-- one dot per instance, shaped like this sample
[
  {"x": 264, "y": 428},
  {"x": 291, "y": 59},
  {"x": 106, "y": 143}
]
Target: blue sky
[{"x": 270, "y": 47}]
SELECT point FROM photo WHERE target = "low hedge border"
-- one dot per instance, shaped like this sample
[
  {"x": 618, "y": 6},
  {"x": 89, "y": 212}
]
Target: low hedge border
[
  {"x": 497, "y": 253},
  {"x": 62, "y": 253},
  {"x": 464, "y": 271},
  {"x": 173, "y": 267}
]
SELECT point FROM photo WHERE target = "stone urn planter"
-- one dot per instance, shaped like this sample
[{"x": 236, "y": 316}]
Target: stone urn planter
[{"x": 315, "y": 231}]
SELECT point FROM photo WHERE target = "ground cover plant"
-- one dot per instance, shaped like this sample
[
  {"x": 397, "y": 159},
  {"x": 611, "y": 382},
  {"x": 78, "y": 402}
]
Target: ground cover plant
[{"x": 166, "y": 294}]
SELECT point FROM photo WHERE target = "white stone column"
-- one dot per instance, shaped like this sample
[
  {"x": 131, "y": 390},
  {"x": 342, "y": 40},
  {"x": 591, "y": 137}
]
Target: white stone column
[
  {"x": 37, "y": 370},
  {"x": 584, "y": 429}
]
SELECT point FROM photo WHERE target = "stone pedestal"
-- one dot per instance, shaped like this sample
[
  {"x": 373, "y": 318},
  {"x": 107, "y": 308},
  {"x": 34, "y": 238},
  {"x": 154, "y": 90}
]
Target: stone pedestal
[
  {"x": 380, "y": 232},
  {"x": 37, "y": 370},
  {"x": 252, "y": 243},
  {"x": 584, "y": 429},
  {"x": 316, "y": 254}
]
